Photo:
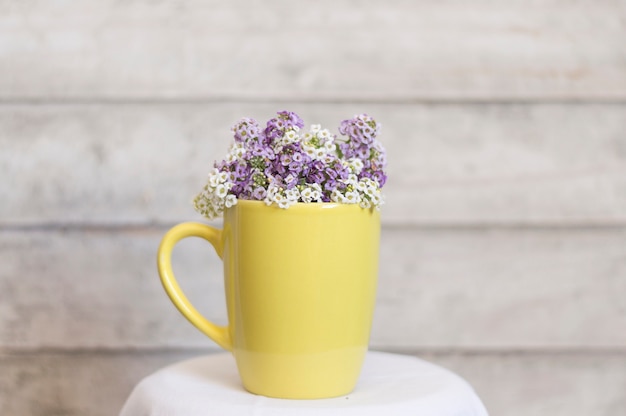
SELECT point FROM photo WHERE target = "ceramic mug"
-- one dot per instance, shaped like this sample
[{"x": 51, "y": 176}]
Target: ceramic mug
[{"x": 300, "y": 291}]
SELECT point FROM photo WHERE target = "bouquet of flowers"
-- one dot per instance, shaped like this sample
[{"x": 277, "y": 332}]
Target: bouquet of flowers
[{"x": 283, "y": 164}]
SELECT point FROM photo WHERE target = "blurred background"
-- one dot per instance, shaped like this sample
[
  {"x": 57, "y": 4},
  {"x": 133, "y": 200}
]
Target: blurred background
[{"x": 504, "y": 235}]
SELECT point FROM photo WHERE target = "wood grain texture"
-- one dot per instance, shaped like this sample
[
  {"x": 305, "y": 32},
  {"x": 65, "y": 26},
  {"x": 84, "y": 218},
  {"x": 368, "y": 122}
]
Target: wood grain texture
[
  {"x": 79, "y": 384},
  {"x": 519, "y": 289},
  {"x": 448, "y": 164},
  {"x": 338, "y": 49},
  {"x": 101, "y": 289},
  {"x": 441, "y": 289},
  {"x": 112, "y": 112},
  {"x": 530, "y": 384},
  {"x": 97, "y": 384}
]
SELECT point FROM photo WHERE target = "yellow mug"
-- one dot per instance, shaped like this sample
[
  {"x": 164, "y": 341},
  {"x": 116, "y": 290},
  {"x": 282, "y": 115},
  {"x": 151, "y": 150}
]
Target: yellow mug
[{"x": 300, "y": 291}]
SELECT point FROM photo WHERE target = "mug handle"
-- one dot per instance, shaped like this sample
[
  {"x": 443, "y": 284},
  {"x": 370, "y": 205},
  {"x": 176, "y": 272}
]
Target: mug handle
[{"x": 219, "y": 334}]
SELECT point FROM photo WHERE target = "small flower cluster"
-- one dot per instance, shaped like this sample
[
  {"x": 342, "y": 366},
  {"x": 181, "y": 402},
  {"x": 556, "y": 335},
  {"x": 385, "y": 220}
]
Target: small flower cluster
[{"x": 283, "y": 165}]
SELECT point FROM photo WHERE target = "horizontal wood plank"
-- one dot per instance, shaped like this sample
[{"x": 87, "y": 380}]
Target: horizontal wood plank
[
  {"x": 448, "y": 164},
  {"x": 513, "y": 384},
  {"x": 502, "y": 289},
  {"x": 440, "y": 289},
  {"x": 78, "y": 384},
  {"x": 338, "y": 49},
  {"x": 543, "y": 384}
]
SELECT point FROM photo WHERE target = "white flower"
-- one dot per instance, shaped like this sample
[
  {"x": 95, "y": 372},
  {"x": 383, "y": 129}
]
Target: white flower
[
  {"x": 352, "y": 179},
  {"x": 200, "y": 204},
  {"x": 323, "y": 134},
  {"x": 271, "y": 192},
  {"x": 272, "y": 189},
  {"x": 223, "y": 176},
  {"x": 356, "y": 165},
  {"x": 311, "y": 152},
  {"x": 281, "y": 200},
  {"x": 230, "y": 201},
  {"x": 221, "y": 190},
  {"x": 214, "y": 179},
  {"x": 328, "y": 158},
  {"x": 290, "y": 137},
  {"x": 318, "y": 144},
  {"x": 292, "y": 195},
  {"x": 337, "y": 196},
  {"x": 352, "y": 197},
  {"x": 307, "y": 195},
  {"x": 237, "y": 150},
  {"x": 279, "y": 197}
]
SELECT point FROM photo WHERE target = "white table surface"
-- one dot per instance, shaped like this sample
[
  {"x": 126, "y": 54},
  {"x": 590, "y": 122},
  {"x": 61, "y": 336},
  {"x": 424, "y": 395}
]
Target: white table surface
[{"x": 390, "y": 385}]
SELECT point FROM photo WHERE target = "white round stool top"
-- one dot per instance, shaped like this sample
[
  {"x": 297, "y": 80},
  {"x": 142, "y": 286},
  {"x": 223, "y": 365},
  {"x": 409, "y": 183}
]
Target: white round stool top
[{"x": 389, "y": 385}]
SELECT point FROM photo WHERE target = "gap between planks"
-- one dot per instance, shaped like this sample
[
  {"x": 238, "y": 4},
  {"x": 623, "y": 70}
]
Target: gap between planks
[
  {"x": 443, "y": 351},
  {"x": 308, "y": 99},
  {"x": 433, "y": 226}
]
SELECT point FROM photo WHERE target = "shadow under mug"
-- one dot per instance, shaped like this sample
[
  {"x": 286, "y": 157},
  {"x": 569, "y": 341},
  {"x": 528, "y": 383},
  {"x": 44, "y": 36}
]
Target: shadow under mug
[{"x": 300, "y": 291}]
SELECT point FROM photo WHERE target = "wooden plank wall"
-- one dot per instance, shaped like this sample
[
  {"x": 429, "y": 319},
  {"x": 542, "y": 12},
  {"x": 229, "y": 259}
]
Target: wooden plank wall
[{"x": 504, "y": 236}]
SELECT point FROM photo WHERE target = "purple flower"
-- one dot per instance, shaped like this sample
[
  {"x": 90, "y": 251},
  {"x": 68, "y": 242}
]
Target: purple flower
[
  {"x": 286, "y": 159},
  {"x": 295, "y": 167},
  {"x": 246, "y": 129},
  {"x": 362, "y": 152},
  {"x": 315, "y": 177},
  {"x": 258, "y": 149},
  {"x": 290, "y": 180},
  {"x": 361, "y": 131},
  {"x": 346, "y": 151},
  {"x": 380, "y": 177},
  {"x": 299, "y": 157},
  {"x": 317, "y": 165},
  {"x": 241, "y": 170},
  {"x": 259, "y": 162},
  {"x": 276, "y": 127},
  {"x": 329, "y": 185},
  {"x": 259, "y": 193},
  {"x": 291, "y": 119},
  {"x": 221, "y": 165}
]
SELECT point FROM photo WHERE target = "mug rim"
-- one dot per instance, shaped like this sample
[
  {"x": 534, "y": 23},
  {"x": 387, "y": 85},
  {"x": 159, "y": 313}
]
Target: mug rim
[{"x": 299, "y": 206}]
